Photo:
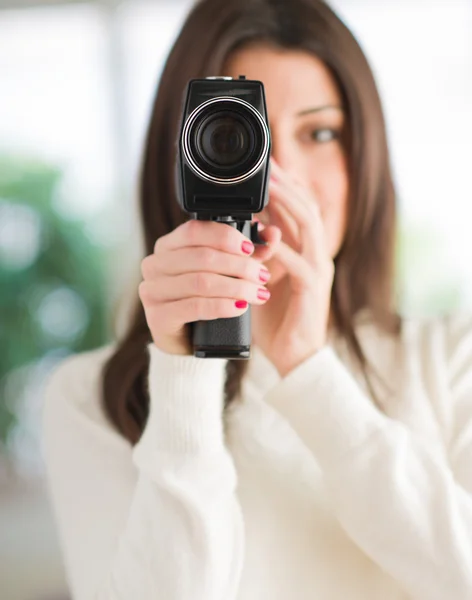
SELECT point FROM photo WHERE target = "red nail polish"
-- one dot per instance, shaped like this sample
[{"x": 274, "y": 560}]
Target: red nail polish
[
  {"x": 247, "y": 247},
  {"x": 263, "y": 294},
  {"x": 240, "y": 304},
  {"x": 264, "y": 275}
]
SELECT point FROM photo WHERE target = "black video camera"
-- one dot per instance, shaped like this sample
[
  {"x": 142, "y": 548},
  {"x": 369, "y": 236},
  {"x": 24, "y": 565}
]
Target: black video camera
[{"x": 222, "y": 174}]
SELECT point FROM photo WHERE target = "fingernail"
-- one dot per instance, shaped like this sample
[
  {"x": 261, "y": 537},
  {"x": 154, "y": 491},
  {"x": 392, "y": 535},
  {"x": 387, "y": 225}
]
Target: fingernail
[
  {"x": 264, "y": 275},
  {"x": 247, "y": 247},
  {"x": 263, "y": 294},
  {"x": 240, "y": 304}
]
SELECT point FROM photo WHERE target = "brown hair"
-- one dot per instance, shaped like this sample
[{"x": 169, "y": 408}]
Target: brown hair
[{"x": 364, "y": 274}]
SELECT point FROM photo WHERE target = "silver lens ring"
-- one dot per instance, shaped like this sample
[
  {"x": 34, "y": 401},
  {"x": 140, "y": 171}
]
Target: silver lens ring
[{"x": 186, "y": 144}]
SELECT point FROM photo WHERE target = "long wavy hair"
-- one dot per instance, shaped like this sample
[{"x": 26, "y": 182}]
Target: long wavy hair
[{"x": 365, "y": 265}]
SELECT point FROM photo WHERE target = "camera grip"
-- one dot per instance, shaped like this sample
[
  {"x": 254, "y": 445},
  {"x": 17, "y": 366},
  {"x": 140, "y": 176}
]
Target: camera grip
[
  {"x": 223, "y": 338},
  {"x": 226, "y": 338}
]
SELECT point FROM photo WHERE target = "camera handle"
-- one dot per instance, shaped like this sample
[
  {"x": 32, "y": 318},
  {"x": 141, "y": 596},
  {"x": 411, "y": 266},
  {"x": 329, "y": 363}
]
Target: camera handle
[{"x": 226, "y": 338}]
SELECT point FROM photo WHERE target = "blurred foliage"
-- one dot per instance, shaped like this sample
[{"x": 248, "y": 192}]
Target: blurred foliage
[{"x": 52, "y": 275}]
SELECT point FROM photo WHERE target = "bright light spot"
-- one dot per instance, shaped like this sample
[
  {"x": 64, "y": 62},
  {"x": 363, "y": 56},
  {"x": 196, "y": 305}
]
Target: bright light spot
[
  {"x": 62, "y": 314},
  {"x": 20, "y": 235}
]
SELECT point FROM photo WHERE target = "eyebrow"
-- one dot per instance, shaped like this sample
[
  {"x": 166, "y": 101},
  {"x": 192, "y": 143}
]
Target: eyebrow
[{"x": 318, "y": 109}]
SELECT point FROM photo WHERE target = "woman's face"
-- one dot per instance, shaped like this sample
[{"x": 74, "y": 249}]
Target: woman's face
[{"x": 306, "y": 119}]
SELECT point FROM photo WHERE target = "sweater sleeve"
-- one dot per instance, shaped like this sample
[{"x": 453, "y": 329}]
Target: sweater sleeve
[
  {"x": 408, "y": 508},
  {"x": 157, "y": 521}
]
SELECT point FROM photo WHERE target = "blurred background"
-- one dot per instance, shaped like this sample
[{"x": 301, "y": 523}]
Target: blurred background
[{"x": 76, "y": 83}]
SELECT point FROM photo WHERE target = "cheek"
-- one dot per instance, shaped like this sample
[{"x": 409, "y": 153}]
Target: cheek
[{"x": 332, "y": 190}]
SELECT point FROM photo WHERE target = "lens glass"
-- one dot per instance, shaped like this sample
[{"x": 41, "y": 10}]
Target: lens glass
[{"x": 226, "y": 140}]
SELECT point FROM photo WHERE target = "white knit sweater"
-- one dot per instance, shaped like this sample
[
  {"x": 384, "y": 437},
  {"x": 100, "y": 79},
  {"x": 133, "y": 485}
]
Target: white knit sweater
[{"x": 304, "y": 491}]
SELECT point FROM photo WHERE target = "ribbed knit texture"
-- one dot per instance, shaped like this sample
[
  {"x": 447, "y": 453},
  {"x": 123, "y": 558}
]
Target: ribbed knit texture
[
  {"x": 185, "y": 415},
  {"x": 312, "y": 493}
]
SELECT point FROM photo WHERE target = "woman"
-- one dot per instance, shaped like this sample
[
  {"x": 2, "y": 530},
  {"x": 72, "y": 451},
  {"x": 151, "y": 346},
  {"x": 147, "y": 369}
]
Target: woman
[{"x": 335, "y": 462}]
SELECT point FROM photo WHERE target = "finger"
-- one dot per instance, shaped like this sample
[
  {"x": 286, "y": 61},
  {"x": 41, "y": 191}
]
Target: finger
[
  {"x": 308, "y": 218},
  {"x": 275, "y": 214},
  {"x": 292, "y": 185},
  {"x": 282, "y": 217},
  {"x": 271, "y": 215},
  {"x": 285, "y": 200},
  {"x": 175, "y": 314},
  {"x": 289, "y": 183},
  {"x": 272, "y": 235},
  {"x": 204, "y": 233},
  {"x": 299, "y": 270},
  {"x": 207, "y": 285},
  {"x": 188, "y": 260}
]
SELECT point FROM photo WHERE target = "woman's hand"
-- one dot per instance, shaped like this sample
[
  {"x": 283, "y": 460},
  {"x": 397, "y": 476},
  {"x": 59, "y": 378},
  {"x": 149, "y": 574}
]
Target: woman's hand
[
  {"x": 293, "y": 324},
  {"x": 201, "y": 270}
]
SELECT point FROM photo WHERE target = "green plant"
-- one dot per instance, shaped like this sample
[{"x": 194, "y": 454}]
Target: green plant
[{"x": 52, "y": 293}]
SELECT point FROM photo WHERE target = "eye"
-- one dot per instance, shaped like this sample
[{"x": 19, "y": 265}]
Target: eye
[{"x": 324, "y": 135}]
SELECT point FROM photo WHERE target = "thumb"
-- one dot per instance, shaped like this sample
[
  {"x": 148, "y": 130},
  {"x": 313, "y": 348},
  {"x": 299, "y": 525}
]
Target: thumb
[{"x": 270, "y": 234}]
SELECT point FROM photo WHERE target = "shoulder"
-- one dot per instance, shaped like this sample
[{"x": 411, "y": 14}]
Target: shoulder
[
  {"x": 77, "y": 375},
  {"x": 449, "y": 334},
  {"x": 457, "y": 339},
  {"x": 437, "y": 348},
  {"x": 71, "y": 402},
  {"x": 428, "y": 364},
  {"x": 448, "y": 330}
]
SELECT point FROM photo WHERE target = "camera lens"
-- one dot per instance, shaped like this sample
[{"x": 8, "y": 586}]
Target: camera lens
[{"x": 224, "y": 140}]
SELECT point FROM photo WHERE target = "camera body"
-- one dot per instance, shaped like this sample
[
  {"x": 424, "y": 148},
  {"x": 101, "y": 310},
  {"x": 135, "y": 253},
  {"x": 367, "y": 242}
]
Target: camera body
[
  {"x": 223, "y": 148},
  {"x": 222, "y": 174}
]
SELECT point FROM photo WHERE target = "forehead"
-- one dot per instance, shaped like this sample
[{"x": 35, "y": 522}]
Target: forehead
[{"x": 293, "y": 80}]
